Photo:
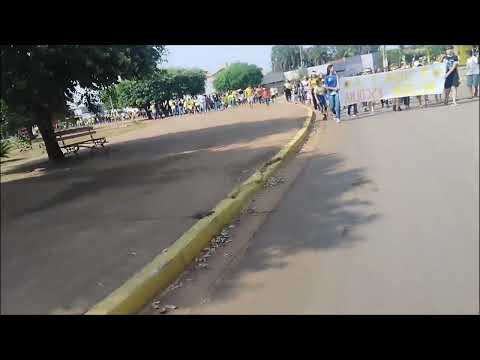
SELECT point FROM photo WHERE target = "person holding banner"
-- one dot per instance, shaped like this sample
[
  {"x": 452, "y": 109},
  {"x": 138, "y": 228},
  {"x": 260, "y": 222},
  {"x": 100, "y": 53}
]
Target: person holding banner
[
  {"x": 439, "y": 60},
  {"x": 452, "y": 80},
  {"x": 419, "y": 97},
  {"x": 472, "y": 73},
  {"x": 331, "y": 84}
]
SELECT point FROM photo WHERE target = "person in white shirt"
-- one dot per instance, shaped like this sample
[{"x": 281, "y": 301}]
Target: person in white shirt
[
  {"x": 274, "y": 93},
  {"x": 305, "y": 90},
  {"x": 438, "y": 60},
  {"x": 472, "y": 73}
]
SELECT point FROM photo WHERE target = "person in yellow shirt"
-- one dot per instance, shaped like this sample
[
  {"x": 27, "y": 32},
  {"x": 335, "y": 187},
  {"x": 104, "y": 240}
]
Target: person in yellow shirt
[
  {"x": 320, "y": 92},
  {"x": 249, "y": 94},
  {"x": 312, "y": 83},
  {"x": 190, "y": 105}
]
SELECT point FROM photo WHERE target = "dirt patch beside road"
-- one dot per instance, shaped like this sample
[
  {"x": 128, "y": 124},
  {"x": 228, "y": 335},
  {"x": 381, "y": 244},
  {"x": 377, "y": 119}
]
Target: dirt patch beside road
[{"x": 73, "y": 234}]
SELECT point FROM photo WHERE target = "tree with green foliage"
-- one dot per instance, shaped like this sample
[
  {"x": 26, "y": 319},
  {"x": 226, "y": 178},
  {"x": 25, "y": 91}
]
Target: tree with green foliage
[
  {"x": 394, "y": 56},
  {"x": 318, "y": 55},
  {"x": 162, "y": 85},
  {"x": 38, "y": 80},
  {"x": 186, "y": 81},
  {"x": 109, "y": 97},
  {"x": 238, "y": 76},
  {"x": 9, "y": 121},
  {"x": 285, "y": 57},
  {"x": 344, "y": 51},
  {"x": 5, "y": 148}
]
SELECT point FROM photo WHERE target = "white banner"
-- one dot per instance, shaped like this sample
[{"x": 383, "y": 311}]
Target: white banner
[{"x": 422, "y": 80}]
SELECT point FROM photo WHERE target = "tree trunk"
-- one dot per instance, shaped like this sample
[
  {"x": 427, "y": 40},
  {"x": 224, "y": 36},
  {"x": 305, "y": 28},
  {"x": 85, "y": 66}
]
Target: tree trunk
[
  {"x": 149, "y": 113},
  {"x": 30, "y": 132},
  {"x": 44, "y": 120}
]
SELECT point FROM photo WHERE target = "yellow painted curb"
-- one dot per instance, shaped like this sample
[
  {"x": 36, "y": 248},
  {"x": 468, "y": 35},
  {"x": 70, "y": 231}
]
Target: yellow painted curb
[{"x": 136, "y": 292}]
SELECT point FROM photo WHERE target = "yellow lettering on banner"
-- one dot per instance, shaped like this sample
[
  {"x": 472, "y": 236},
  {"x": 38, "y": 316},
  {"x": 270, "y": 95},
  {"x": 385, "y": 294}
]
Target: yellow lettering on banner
[
  {"x": 429, "y": 87},
  {"x": 390, "y": 78},
  {"x": 402, "y": 89},
  {"x": 437, "y": 73}
]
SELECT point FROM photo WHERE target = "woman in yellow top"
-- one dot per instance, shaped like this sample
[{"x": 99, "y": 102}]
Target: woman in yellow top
[
  {"x": 190, "y": 106},
  {"x": 312, "y": 83},
  {"x": 249, "y": 95},
  {"x": 233, "y": 98},
  {"x": 320, "y": 92}
]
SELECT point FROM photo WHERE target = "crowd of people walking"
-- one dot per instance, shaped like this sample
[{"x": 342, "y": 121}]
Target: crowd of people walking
[
  {"x": 213, "y": 102},
  {"x": 322, "y": 91}
]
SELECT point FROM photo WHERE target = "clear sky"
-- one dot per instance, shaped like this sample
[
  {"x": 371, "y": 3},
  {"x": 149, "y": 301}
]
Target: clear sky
[{"x": 212, "y": 57}]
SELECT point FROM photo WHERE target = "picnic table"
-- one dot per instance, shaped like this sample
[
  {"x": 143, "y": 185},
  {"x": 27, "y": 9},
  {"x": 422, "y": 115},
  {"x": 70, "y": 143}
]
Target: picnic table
[{"x": 81, "y": 136}]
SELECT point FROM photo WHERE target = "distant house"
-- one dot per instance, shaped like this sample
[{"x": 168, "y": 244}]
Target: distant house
[
  {"x": 209, "y": 88},
  {"x": 274, "y": 80}
]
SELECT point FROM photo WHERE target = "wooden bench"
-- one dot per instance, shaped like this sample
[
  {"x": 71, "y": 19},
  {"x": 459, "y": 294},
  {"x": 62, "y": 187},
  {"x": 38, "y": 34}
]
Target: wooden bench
[{"x": 85, "y": 132}]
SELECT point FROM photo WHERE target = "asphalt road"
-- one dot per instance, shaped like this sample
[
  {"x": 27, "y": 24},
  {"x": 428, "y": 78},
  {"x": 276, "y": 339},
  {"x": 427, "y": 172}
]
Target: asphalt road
[
  {"x": 76, "y": 233},
  {"x": 383, "y": 219}
]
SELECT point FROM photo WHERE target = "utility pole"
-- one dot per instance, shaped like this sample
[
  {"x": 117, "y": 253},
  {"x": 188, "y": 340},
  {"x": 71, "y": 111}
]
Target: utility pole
[
  {"x": 111, "y": 106},
  {"x": 301, "y": 57},
  {"x": 385, "y": 60}
]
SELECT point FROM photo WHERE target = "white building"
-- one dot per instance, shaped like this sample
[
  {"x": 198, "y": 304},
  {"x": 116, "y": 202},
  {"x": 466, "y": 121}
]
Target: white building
[{"x": 209, "y": 88}]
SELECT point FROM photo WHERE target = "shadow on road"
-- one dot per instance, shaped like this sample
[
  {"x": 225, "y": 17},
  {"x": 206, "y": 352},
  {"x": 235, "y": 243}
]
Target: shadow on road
[
  {"x": 321, "y": 211},
  {"x": 67, "y": 235},
  {"x": 413, "y": 107},
  {"x": 170, "y": 143}
]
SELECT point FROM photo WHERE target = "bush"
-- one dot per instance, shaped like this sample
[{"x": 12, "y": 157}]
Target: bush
[
  {"x": 238, "y": 76},
  {"x": 5, "y": 148}
]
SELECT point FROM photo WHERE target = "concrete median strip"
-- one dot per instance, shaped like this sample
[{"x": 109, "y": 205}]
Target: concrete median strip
[{"x": 156, "y": 276}]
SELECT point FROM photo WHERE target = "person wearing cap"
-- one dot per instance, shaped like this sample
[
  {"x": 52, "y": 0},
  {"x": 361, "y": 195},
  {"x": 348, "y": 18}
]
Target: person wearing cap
[{"x": 452, "y": 80}]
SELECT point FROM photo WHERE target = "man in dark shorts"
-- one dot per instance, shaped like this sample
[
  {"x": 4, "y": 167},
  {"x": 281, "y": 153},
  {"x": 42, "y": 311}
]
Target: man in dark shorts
[{"x": 452, "y": 80}]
